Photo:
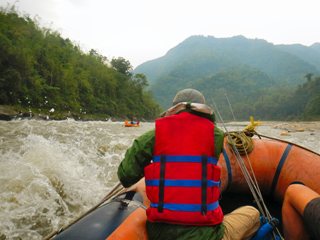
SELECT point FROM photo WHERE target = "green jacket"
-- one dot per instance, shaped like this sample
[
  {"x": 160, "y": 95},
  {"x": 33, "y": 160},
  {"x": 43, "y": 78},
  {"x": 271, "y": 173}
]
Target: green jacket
[{"x": 131, "y": 170}]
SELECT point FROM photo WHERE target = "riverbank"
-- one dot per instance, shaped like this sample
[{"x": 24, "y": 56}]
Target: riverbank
[
  {"x": 8, "y": 113},
  {"x": 284, "y": 128},
  {"x": 303, "y": 133}
]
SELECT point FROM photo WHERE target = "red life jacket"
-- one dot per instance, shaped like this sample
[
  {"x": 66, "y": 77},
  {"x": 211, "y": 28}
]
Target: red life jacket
[{"x": 183, "y": 181}]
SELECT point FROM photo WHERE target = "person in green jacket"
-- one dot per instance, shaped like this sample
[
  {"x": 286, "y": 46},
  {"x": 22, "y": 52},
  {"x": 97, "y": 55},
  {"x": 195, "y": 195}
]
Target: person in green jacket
[{"x": 240, "y": 224}]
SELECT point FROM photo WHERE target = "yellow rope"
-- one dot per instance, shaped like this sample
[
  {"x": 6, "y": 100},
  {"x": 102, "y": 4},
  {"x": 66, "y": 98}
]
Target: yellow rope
[{"x": 241, "y": 141}]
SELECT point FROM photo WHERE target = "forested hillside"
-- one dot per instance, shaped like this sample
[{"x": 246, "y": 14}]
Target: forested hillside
[
  {"x": 257, "y": 77},
  {"x": 40, "y": 70}
]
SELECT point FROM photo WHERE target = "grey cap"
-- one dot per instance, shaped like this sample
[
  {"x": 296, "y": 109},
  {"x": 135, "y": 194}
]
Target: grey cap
[{"x": 188, "y": 95}]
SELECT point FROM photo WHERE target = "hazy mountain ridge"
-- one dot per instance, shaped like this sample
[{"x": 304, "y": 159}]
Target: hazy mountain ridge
[
  {"x": 258, "y": 76},
  {"x": 281, "y": 62},
  {"x": 310, "y": 54}
]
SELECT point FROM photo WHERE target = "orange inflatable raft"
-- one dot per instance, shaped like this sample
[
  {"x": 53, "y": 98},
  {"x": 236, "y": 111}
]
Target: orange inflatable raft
[
  {"x": 131, "y": 123},
  {"x": 275, "y": 164}
]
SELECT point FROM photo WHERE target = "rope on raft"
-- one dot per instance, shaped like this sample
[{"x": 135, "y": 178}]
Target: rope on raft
[
  {"x": 242, "y": 144},
  {"x": 281, "y": 140},
  {"x": 237, "y": 142},
  {"x": 241, "y": 141}
]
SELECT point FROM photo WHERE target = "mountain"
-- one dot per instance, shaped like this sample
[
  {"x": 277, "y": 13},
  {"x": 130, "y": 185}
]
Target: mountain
[
  {"x": 210, "y": 54},
  {"x": 316, "y": 46},
  {"x": 310, "y": 54},
  {"x": 244, "y": 69}
]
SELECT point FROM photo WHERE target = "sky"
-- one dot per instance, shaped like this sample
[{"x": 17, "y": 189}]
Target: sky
[{"x": 142, "y": 30}]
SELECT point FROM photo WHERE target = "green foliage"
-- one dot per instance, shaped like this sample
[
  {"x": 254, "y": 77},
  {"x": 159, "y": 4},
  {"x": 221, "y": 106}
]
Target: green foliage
[
  {"x": 305, "y": 102},
  {"x": 41, "y": 70},
  {"x": 121, "y": 65}
]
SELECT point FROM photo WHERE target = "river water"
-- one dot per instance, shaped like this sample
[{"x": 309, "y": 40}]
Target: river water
[{"x": 53, "y": 171}]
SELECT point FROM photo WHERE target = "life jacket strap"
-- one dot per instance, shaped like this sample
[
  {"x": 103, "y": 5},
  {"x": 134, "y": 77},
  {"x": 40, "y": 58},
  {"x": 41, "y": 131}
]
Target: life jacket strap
[
  {"x": 161, "y": 182},
  {"x": 189, "y": 159},
  {"x": 182, "y": 183},
  {"x": 204, "y": 185},
  {"x": 181, "y": 207}
]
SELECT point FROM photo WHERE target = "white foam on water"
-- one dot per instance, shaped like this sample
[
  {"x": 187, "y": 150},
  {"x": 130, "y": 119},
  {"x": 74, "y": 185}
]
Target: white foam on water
[{"x": 53, "y": 171}]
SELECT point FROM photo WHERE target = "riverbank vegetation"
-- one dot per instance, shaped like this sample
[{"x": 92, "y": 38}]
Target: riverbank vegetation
[{"x": 44, "y": 74}]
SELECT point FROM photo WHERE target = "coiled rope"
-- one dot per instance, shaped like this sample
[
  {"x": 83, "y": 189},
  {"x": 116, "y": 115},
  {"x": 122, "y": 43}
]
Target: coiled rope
[{"x": 241, "y": 141}]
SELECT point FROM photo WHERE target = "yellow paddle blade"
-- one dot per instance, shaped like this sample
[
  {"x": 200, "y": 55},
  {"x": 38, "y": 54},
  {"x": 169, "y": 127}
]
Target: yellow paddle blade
[{"x": 252, "y": 125}]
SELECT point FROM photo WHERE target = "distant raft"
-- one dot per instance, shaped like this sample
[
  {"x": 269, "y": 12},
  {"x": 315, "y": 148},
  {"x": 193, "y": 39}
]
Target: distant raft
[{"x": 131, "y": 123}]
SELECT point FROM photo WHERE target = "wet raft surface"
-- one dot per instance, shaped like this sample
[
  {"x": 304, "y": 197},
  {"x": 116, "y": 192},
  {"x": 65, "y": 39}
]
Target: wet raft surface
[{"x": 100, "y": 223}]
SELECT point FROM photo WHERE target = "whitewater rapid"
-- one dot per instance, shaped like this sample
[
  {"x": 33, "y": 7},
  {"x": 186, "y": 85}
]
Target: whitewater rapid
[{"x": 53, "y": 171}]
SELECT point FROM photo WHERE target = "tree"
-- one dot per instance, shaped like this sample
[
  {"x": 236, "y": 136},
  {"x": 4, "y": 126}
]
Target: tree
[
  {"x": 122, "y": 65},
  {"x": 140, "y": 80},
  {"x": 308, "y": 76}
]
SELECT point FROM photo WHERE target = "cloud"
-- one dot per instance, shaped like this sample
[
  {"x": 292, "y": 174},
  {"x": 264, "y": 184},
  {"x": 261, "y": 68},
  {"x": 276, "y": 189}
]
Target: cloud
[
  {"x": 77, "y": 2},
  {"x": 141, "y": 30}
]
